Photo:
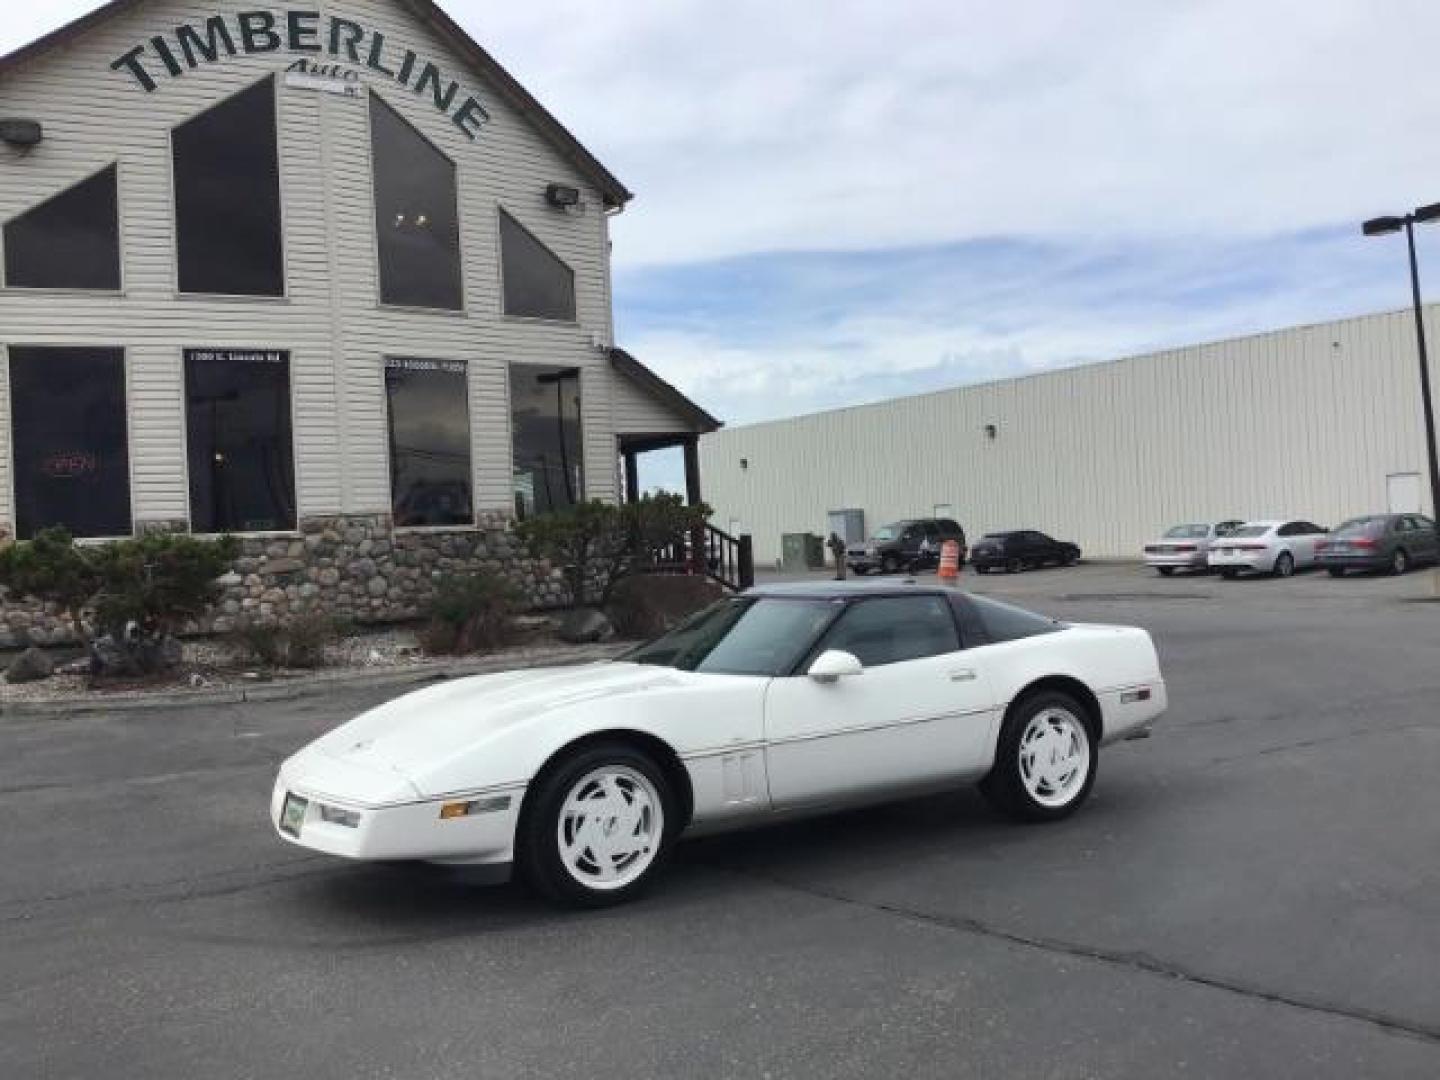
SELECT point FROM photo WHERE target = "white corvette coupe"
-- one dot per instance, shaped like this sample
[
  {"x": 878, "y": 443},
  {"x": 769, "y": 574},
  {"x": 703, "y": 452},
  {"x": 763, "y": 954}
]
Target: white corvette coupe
[{"x": 783, "y": 701}]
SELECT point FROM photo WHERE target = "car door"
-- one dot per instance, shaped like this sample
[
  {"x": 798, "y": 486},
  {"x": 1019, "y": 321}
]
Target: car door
[
  {"x": 919, "y": 714},
  {"x": 1041, "y": 549}
]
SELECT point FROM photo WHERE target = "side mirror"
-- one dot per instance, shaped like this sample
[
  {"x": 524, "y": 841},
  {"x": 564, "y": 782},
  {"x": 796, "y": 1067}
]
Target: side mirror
[{"x": 833, "y": 664}]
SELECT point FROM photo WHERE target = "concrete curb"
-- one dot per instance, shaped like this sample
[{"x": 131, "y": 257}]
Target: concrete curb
[{"x": 314, "y": 685}]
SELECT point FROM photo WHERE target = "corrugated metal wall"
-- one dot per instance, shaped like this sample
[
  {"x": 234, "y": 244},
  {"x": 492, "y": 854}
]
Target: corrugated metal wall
[
  {"x": 330, "y": 321},
  {"x": 1307, "y": 421}
]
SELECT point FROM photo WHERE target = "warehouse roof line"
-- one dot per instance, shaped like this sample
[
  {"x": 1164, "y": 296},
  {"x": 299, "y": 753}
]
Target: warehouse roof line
[{"x": 1087, "y": 365}]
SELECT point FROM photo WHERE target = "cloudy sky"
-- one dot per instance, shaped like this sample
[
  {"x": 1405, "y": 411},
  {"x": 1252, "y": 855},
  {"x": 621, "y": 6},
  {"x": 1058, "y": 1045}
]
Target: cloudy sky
[{"x": 844, "y": 201}]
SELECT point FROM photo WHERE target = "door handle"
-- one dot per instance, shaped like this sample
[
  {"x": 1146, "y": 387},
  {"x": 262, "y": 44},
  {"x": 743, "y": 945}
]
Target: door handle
[{"x": 962, "y": 675}]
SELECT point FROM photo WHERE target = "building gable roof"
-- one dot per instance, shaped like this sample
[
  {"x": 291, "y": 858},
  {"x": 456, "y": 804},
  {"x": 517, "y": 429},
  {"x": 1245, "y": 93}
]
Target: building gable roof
[
  {"x": 428, "y": 12},
  {"x": 657, "y": 388}
]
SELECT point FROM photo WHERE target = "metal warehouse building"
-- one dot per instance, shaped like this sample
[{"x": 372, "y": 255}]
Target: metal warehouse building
[
  {"x": 326, "y": 277},
  {"x": 1319, "y": 422}
]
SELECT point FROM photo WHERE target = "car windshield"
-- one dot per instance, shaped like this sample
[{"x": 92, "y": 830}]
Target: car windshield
[
  {"x": 1364, "y": 526},
  {"x": 1188, "y": 532},
  {"x": 1252, "y": 530},
  {"x": 742, "y": 636},
  {"x": 889, "y": 532}
]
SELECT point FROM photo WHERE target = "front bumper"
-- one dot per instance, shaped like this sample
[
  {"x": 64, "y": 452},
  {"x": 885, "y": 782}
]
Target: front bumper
[{"x": 402, "y": 831}]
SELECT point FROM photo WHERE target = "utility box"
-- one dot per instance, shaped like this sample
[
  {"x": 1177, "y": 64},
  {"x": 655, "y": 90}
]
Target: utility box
[{"x": 801, "y": 551}]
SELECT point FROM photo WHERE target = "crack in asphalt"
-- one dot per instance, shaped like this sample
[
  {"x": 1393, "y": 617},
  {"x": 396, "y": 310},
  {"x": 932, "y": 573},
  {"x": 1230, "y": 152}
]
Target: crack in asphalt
[{"x": 1137, "y": 961}]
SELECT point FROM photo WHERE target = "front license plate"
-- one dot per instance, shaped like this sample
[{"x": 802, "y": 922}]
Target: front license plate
[{"x": 293, "y": 815}]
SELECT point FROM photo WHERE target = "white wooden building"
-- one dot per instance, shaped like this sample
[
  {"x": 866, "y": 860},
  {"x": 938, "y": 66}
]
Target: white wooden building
[{"x": 265, "y": 264}]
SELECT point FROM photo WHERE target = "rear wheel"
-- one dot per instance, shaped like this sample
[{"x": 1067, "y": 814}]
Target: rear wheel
[
  {"x": 889, "y": 565},
  {"x": 1229, "y": 575},
  {"x": 1399, "y": 562},
  {"x": 1284, "y": 564},
  {"x": 1165, "y": 571},
  {"x": 1336, "y": 571},
  {"x": 1013, "y": 566},
  {"x": 596, "y": 827},
  {"x": 1046, "y": 759}
]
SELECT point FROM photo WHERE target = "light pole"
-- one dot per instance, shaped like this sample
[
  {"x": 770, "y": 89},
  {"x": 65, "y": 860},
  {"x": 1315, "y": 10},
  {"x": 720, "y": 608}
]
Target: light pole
[{"x": 1382, "y": 226}]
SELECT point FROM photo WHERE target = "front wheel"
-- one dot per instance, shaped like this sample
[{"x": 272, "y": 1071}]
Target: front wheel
[
  {"x": 1399, "y": 562},
  {"x": 1229, "y": 575},
  {"x": 1336, "y": 571},
  {"x": 1165, "y": 571},
  {"x": 889, "y": 565},
  {"x": 1046, "y": 760},
  {"x": 596, "y": 827},
  {"x": 1013, "y": 566}
]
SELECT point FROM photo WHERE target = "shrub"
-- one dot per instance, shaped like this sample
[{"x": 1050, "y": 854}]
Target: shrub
[
  {"x": 647, "y": 605},
  {"x": 306, "y": 637},
  {"x": 259, "y": 642},
  {"x": 156, "y": 582},
  {"x": 299, "y": 642},
  {"x": 597, "y": 544},
  {"x": 51, "y": 569},
  {"x": 469, "y": 613}
]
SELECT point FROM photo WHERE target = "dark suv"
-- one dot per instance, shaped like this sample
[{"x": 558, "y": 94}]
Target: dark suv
[
  {"x": 1022, "y": 548},
  {"x": 905, "y": 545}
]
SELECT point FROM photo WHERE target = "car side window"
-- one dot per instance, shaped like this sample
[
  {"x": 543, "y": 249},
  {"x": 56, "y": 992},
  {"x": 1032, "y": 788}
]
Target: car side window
[
  {"x": 891, "y": 629},
  {"x": 1041, "y": 540},
  {"x": 1290, "y": 528}
]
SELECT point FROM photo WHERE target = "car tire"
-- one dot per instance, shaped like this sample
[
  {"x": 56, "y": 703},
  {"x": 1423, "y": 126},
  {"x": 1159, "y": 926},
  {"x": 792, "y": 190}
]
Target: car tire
[
  {"x": 1399, "y": 562},
  {"x": 1073, "y": 559},
  {"x": 1014, "y": 566},
  {"x": 602, "y": 857},
  {"x": 889, "y": 565},
  {"x": 1336, "y": 571},
  {"x": 1165, "y": 571},
  {"x": 1027, "y": 781},
  {"x": 860, "y": 571},
  {"x": 1284, "y": 565},
  {"x": 1229, "y": 575},
  {"x": 982, "y": 569}
]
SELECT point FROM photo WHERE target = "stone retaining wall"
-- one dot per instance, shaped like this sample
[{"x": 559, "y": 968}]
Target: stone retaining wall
[{"x": 357, "y": 566}]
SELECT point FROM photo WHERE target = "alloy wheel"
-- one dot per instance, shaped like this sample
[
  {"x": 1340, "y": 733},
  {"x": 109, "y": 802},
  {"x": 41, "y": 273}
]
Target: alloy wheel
[
  {"x": 1054, "y": 757},
  {"x": 611, "y": 827}
]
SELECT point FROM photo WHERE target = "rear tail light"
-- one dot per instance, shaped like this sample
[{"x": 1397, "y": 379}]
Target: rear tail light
[
  {"x": 1249, "y": 547},
  {"x": 1188, "y": 548},
  {"x": 1363, "y": 542}
]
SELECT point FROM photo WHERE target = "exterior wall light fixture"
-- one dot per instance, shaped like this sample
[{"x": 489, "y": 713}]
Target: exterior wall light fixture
[
  {"x": 563, "y": 196},
  {"x": 22, "y": 133}
]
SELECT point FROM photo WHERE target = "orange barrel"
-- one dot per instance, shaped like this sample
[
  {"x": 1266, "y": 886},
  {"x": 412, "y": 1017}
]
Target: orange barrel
[{"x": 949, "y": 571}]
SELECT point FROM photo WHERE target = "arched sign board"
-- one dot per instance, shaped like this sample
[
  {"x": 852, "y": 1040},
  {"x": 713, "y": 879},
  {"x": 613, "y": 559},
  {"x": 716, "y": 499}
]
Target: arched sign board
[{"x": 333, "y": 54}]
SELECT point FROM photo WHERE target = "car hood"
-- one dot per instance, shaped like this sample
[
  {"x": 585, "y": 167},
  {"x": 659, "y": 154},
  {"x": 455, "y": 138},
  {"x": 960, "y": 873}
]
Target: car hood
[{"x": 413, "y": 733}]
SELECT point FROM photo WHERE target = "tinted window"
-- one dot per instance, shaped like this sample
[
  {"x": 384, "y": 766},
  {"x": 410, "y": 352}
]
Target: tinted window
[
  {"x": 70, "y": 242},
  {"x": 742, "y": 636},
  {"x": 1307, "y": 528},
  {"x": 242, "y": 474},
  {"x": 1365, "y": 526},
  {"x": 887, "y": 532},
  {"x": 1251, "y": 530},
  {"x": 1039, "y": 539},
  {"x": 537, "y": 284},
  {"x": 417, "y": 225},
  {"x": 890, "y": 629},
  {"x": 1227, "y": 528},
  {"x": 72, "y": 460},
  {"x": 546, "y": 427},
  {"x": 227, "y": 198},
  {"x": 429, "y": 418},
  {"x": 1005, "y": 622},
  {"x": 1188, "y": 532}
]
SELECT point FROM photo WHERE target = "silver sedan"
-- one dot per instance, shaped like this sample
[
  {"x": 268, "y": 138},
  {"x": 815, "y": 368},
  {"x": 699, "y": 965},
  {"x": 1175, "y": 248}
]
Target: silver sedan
[{"x": 1187, "y": 547}]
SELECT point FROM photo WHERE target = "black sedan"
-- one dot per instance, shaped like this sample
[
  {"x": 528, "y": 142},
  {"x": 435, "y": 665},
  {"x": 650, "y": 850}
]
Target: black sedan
[{"x": 1019, "y": 550}]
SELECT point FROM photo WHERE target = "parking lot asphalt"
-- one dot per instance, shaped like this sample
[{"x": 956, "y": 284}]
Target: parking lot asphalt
[{"x": 1254, "y": 891}]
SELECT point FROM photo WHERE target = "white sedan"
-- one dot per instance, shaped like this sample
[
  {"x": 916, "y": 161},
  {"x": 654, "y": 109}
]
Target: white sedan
[
  {"x": 1267, "y": 547},
  {"x": 784, "y": 701}
]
